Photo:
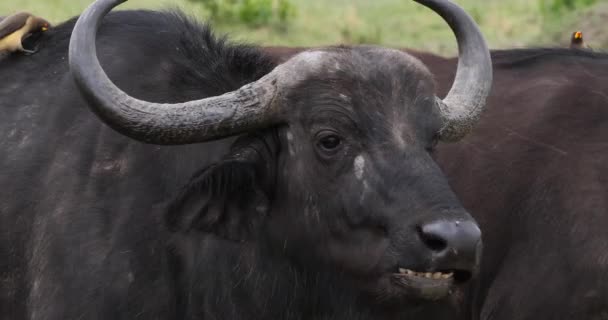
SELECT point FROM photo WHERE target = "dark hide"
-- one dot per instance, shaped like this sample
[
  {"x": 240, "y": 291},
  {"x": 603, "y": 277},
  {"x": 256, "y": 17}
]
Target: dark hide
[
  {"x": 534, "y": 174},
  {"x": 81, "y": 215},
  {"x": 96, "y": 226}
]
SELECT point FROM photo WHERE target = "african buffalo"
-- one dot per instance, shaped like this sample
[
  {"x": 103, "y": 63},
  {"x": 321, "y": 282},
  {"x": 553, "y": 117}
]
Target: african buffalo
[
  {"x": 319, "y": 198},
  {"x": 534, "y": 174}
]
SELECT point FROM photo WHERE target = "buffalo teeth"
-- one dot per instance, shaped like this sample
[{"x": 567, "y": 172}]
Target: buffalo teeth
[{"x": 428, "y": 275}]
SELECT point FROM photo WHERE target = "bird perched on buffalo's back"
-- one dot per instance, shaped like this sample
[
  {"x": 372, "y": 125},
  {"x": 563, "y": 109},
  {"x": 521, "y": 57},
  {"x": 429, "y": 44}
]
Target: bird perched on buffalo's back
[
  {"x": 577, "y": 41},
  {"x": 15, "y": 28}
]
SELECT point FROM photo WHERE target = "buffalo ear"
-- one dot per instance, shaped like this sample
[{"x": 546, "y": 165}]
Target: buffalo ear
[{"x": 226, "y": 199}]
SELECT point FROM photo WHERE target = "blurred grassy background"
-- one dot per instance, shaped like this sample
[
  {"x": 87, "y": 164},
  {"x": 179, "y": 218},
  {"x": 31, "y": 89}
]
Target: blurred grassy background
[{"x": 397, "y": 23}]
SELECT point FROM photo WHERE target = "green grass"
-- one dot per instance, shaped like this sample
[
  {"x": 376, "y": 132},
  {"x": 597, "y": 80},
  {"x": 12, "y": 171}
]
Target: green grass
[{"x": 396, "y": 23}]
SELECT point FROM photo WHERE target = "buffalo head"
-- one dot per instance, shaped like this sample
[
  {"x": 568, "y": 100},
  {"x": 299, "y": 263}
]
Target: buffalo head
[{"x": 333, "y": 166}]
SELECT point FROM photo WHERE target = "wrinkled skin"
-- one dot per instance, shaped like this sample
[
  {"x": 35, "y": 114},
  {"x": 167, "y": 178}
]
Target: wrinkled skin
[
  {"x": 277, "y": 225},
  {"x": 383, "y": 154},
  {"x": 533, "y": 173},
  {"x": 368, "y": 230}
]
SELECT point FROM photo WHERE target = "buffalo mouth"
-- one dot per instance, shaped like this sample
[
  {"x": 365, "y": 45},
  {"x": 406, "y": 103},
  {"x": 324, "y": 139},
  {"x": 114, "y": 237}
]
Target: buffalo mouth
[{"x": 429, "y": 285}]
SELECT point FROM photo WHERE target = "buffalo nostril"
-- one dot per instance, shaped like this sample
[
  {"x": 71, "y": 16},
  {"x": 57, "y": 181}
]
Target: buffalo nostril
[
  {"x": 433, "y": 240},
  {"x": 451, "y": 237},
  {"x": 454, "y": 245}
]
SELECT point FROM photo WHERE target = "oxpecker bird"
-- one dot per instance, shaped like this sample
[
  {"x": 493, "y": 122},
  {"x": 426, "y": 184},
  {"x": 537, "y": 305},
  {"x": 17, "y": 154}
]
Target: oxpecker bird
[
  {"x": 15, "y": 28},
  {"x": 577, "y": 42}
]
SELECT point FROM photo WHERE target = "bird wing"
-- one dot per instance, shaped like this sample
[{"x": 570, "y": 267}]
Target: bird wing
[{"x": 12, "y": 23}]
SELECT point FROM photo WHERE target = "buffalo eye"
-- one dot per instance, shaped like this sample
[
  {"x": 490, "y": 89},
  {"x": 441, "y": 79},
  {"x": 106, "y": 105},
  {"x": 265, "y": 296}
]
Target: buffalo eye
[{"x": 328, "y": 141}]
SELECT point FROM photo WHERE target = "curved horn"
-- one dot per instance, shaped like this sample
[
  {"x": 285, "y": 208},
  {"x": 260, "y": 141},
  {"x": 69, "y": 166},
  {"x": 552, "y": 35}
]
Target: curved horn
[
  {"x": 462, "y": 106},
  {"x": 247, "y": 108}
]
